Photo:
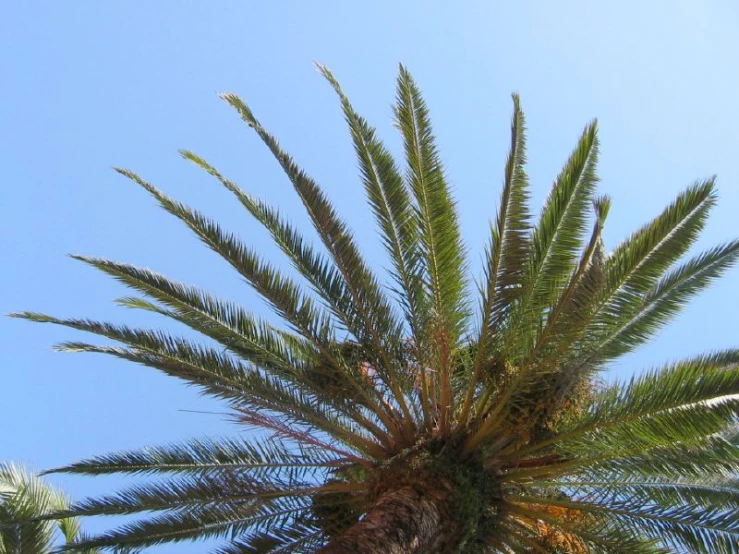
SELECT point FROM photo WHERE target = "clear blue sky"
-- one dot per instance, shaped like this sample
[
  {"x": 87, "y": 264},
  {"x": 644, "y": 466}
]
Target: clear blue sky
[{"x": 89, "y": 84}]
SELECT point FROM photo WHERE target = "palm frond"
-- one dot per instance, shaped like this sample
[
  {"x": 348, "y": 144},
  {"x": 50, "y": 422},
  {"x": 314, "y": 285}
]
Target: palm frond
[
  {"x": 279, "y": 352},
  {"x": 225, "y": 489},
  {"x": 637, "y": 263},
  {"x": 438, "y": 232},
  {"x": 695, "y": 384},
  {"x": 280, "y": 292},
  {"x": 506, "y": 252},
  {"x": 439, "y": 236},
  {"x": 660, "y": 304},
  {"x": 292, "y": 537},
  {"x": 323, "y": 276},
  {"x": 214, "y": 521},
  {"x": 225, "y": 322},
  {"x": 554, "y": 242},
  {"x": 373, "y": 307},
  {"x": 25, "y": 504},
  {"x": 392, "y": 206},
  {"x": 201, "y": 455},
  {"x": 217, "y": 374},
  {"x": 541, "y": 374},
  {"x": 685, "y": 527}
]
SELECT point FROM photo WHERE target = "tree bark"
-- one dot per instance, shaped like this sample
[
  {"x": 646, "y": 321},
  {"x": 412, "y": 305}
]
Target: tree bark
[{"x": 402, "y": 521}]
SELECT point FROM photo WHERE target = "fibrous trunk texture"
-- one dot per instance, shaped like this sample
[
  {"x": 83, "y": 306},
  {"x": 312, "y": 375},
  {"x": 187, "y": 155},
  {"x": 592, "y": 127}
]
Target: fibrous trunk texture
[{"x": 401, "y": 522}]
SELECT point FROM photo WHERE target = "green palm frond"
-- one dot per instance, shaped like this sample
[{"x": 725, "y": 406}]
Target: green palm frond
[
  {"x": 439, "y": 237},
  {"x": 194, "y": 523},
  {"x": 225, "y": 322},
  {"x": 572, "y": 310},
  {"x": 393, "y": 208},
  {"x": 282, "y": 293},
  {"x": 373, "y": 308},
  {"x": 217, "y": 374},
  {"x": 666, "y": 299},
  {"x": 565, "y": 323},
  {"x": 390, "y": 200},
  {"x": 24, "y": 500},
  {"x": 199, "y": 456},
  {"x": 223, "y": 489},
  {"x": 691, "y": 384},
  {"x": 399, "y": 420},
  {"x": 703, "y": 459},
  {"x": 282, "y": 354},
  {"x": 325, "y": 279},
  {"x": 436, "y": 215},
  {"x": 635, "y": 267},
  {"x": 506, "y": 252},
  {"x": 289, "y": 538},
  {"x": 682, "y": 527},
  {"x": 555, "y": 242},
  {"x": 510, "y": 241},
  {"x": 639, "y": 261}
]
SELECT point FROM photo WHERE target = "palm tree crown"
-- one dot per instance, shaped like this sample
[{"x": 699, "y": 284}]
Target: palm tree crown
[{"x": 422, "y": 417}]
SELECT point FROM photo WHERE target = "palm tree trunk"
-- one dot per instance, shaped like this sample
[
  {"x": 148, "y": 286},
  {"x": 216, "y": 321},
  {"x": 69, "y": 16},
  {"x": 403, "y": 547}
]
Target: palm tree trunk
[{"x": 402, "y": 521}]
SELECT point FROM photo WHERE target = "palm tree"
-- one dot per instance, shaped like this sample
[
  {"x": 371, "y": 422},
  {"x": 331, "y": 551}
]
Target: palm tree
[
  {"x": 413, "y": 415},
  {"x": 23, "y": 499}
]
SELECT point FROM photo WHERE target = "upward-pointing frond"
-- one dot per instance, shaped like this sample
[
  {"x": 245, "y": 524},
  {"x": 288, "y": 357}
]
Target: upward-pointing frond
[
  {"x": 572, "y": 310},
  {"x": 332, "y": 230},
  {"x": 555, "y": 242},
  {"x": 636, "y": 264},
  {"x": 319, "y": 272},
  {"x": 436, "y": 213},
  {"x": 440, "y": 240},
  {"x": 392, "y": 206},
  {"x": 509, "y": 242},
  {"x": 372, "y": 305},
  {"x": 389, "y": 197},
  {"x": 507, "y": 250},
  {"x": 282, "y": 294},
  {"x": 540, "y": 375}
]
